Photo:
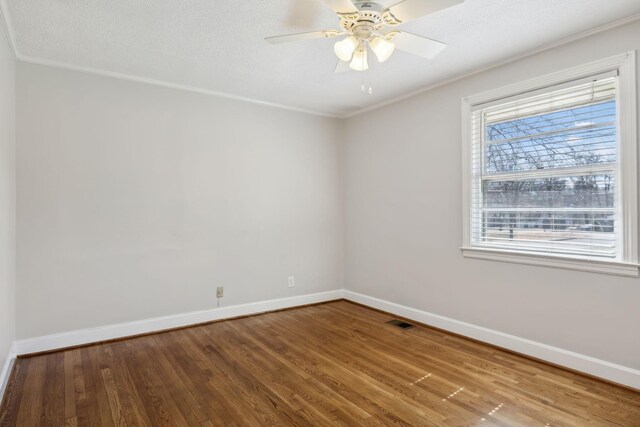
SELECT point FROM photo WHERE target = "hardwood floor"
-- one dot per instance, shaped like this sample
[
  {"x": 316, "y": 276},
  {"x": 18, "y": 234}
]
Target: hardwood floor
[{"x": 330, "y": 364}]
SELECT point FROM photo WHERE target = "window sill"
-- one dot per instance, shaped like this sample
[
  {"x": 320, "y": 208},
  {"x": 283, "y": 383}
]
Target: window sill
[{"x": 568, "y": 263}]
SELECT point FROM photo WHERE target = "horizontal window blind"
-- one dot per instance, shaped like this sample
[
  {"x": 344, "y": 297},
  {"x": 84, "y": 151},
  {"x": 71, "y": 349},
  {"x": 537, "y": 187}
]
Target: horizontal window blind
[{"x": 544, "y": 171}]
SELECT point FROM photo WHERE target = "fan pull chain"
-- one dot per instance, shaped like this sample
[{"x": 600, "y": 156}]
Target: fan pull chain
[
  {"x": 366, "y": 86},
  {"x": 370, "y": 90},
  {"x": 362, "y": 86}
]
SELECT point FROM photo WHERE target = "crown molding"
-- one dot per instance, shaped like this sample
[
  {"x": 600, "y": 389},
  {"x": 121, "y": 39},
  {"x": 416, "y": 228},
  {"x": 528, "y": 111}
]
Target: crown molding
[
  {"x": 194, "y": 89},
  {"x": 475, "y": 71},
  {"x": 6, "y": 18},
  {"x": 8, "y": 24}
]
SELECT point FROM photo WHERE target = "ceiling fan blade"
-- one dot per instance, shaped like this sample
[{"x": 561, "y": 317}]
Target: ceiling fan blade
[
  {"x": 412, "y": 9},
  {"x": 304, "y": 14},
  {"x": 417, "y": 45},
  {"x": 341, "y": 67},
  {"x": 303, "y": 36},
  {"x": 342, "y": 6}
]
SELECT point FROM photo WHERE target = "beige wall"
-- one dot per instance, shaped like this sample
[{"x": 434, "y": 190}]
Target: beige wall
[
  {"x": 7, "y": 196},
  {"x": 403, "y": 223},
  {"x": 136, "y": 201}
]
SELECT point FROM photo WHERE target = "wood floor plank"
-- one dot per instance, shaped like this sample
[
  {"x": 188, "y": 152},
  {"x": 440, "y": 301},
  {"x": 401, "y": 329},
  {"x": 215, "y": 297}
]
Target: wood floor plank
[
  {"x": 333, "y": 363},
  {"x": 159, "y": 405},
  {"x": 30, "y": 409},
  {"x": 69, "y": 387},
  {"x": 98, "y": 409},
  {"x": 325, "y": 365},
  {"x": 126, "y": 389},
  {"x": 53, "y": 396},
  {"x": 9, "y": 408}
]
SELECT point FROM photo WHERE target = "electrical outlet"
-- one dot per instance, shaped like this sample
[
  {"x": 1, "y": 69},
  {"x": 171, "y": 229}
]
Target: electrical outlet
[
  {"x": 220, "y": 292},
  {"x": 292, "y": 282}
]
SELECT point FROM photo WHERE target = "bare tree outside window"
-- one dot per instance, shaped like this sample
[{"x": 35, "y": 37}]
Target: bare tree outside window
[{"x": 549, "y": 177}]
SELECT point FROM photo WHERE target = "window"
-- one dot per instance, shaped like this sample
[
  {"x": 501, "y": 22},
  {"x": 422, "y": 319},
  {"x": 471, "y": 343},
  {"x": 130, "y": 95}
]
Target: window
[{"x": 550, "y": 170}]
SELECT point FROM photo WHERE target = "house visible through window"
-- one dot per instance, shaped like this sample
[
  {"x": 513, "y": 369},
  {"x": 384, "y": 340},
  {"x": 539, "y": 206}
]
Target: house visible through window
[{"x": 545, "y": 172}]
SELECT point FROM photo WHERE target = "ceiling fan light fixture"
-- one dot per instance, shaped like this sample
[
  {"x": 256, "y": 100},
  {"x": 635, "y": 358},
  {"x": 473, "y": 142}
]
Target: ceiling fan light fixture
[
  {"x": 365, "y": 23},
  {"x": 344, "y": 49},
  {"x": 382, "y": 48},
  {"x": 360, "y": 61}
]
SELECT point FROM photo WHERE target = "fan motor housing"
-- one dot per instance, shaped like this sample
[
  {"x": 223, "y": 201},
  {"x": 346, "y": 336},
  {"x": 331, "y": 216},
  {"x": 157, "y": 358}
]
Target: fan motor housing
[{"x": 367, "y": 21}]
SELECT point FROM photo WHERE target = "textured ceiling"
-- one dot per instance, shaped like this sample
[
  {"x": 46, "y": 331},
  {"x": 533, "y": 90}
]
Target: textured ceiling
[{"x": 218, "y": 45}]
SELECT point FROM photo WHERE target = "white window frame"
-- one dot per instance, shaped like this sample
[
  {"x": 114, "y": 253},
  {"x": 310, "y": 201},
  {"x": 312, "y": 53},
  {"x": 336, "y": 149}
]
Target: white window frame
[{"x": 627, "y": 175}]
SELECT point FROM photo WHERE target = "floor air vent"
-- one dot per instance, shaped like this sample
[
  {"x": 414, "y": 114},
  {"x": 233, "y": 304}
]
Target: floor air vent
[{"x": 400, "y": 324}]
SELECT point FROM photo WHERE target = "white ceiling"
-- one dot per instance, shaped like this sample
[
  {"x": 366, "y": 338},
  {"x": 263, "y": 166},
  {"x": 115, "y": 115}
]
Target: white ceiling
[{"x": 218, "y": 45}]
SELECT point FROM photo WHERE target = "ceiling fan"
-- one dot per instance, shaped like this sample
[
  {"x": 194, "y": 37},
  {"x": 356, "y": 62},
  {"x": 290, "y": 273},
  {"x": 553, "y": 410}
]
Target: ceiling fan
[{"x": 365, "y": 25}]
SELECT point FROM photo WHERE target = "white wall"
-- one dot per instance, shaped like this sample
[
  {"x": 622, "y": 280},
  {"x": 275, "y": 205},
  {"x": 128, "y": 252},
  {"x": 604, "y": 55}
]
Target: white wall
[
  {"x": 7, "y": 196},
  {"x": 136, "y": 201},
  {"x": 403, "y": 223}
]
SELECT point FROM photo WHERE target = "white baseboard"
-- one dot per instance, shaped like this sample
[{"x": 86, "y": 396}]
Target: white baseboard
[
  {"x": 6, "y": 370},
  {"x": 590, "y": 365},
  {"x": 104, "y": 333}
]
